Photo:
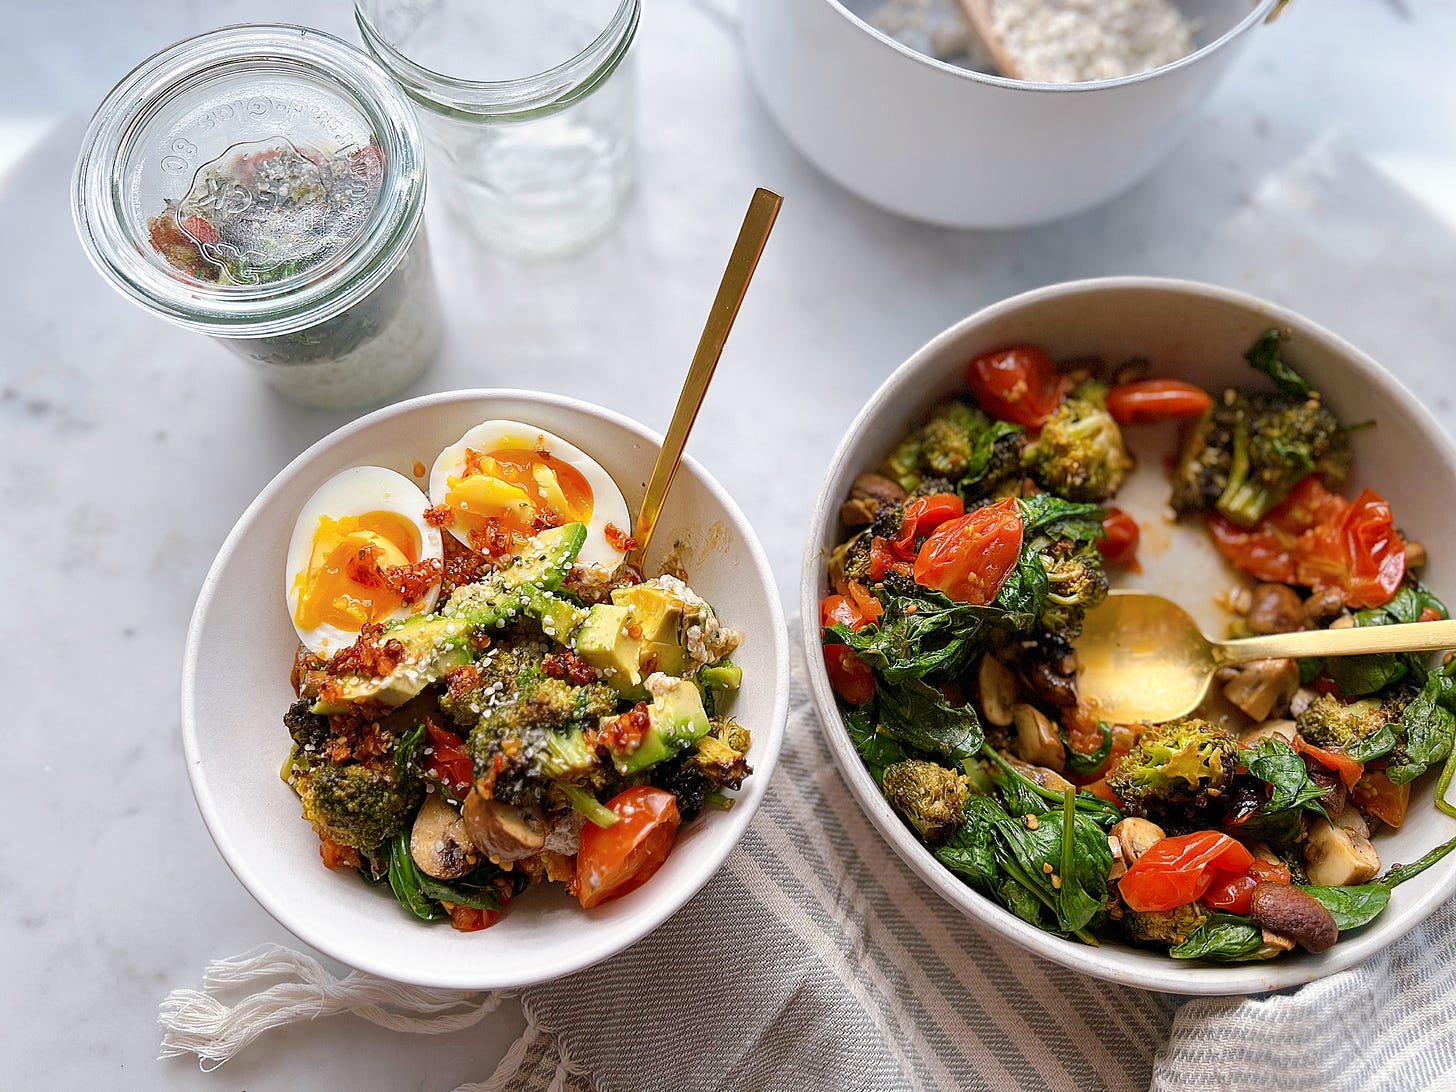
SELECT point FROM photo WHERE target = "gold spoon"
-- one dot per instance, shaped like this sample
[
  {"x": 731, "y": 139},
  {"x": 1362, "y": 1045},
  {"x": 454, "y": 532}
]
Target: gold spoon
[
  {"x": 1142, "y": 658},
  {"x": 757, "y": 223}
]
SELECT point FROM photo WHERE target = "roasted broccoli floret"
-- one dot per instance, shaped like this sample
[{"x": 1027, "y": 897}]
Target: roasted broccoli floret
[
  {"x": 959, "y": 445},
  {"x": 931, "y": 798},
  {"x": 1329, "y": 722},
  {"x": 1245, "y": 454},
  {"x": 356, "y": 805},
  {"x": 1174, "y": 767},
  {"x": 1079, "y": 453},
  {"x": 1166, "y": 927},
  {"x": 1076, "y": 583},
  {"x": 716, "y": 762}
]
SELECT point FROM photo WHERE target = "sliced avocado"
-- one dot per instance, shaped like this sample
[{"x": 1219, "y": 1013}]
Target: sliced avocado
[
  {"x": 603, "y": 641},
  {"x": 559, "y": 619},
  {"x": 724, "y": 675},
  {"x": 436, "y": 643},
  {"x": 660, "y": 614},
  {"x": 545, "y": 563},
  {"x": 676, "y": 721}
]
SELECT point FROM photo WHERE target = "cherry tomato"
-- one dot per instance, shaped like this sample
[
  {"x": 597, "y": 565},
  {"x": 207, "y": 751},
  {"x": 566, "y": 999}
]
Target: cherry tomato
[
  {"x": 1147, "y": 401},
  {"x": 968, "y": 558},
  {"x": 1375, "y": 794},
  {"x": 1233, "y": 891},
  {"x": 1178, "y": 870},
  {"x": 1119, "y": 545},
  {"x": 468, "y": 919},
  {"x": 449, "y": 761},
  {"x": 1429, "y": 614},
  {"x": 1336, "y": 762},
  {"x": 1319, "y": 539},
  {"x": 868, "y": 605},
  {"x": 848, "y": 674},
  {"x": 614, "y": 860},
  {"x": 841, "y": 610},
  {"x": 337, "y": 856},
  {"x": 923, "y": 515},
  {"x": 883, "y": 560},
  {"x": 1019, "y": 384}
]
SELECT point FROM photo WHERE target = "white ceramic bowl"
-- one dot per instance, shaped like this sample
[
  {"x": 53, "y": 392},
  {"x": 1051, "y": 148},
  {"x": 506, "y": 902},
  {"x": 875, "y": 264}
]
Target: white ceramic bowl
[
  {"x": 938, "y": 143},
  {"x": 235, "y": 689},
  {"x": 1199, "y": 333}
]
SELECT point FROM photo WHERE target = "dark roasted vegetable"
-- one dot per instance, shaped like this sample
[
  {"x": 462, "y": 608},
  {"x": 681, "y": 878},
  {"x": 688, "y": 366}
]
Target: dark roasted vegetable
[{"x": 1173, "y": 768}]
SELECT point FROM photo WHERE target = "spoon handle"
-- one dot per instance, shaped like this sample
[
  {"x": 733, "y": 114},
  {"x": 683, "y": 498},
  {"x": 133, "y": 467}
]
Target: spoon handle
[
  {"x": 1406, "y": 637},
  {"x": 757, "y": 223}
]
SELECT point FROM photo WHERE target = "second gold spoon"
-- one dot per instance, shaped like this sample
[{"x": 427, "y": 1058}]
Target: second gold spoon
[{"x": 1142, "y": 658}]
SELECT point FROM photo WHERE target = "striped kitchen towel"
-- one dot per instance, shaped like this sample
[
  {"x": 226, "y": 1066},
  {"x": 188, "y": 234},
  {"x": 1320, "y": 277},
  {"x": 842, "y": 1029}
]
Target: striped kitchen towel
[{"x": 817, "y": 961}]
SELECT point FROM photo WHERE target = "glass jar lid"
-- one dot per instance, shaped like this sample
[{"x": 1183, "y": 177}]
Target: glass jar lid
[{"x": 252, "y": 181}]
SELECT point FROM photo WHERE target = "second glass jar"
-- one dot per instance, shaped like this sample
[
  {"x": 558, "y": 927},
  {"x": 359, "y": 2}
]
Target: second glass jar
[{"x": 529, "y": 110}]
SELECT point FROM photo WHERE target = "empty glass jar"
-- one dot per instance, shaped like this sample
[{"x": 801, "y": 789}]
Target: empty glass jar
[{"x": 528, "y": 108}]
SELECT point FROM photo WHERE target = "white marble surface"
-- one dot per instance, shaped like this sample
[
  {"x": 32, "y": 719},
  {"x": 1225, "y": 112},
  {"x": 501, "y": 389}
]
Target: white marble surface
[{"x": 129, "y": 448}]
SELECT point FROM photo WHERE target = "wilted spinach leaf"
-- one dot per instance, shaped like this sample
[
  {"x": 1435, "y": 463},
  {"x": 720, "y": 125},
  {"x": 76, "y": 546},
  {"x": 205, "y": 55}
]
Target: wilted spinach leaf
[
  {"x": 917, "y": 714},
  {"x": 1264, "y": 356},
  {"x": 1351, "y": 907},
  {"x": 1426, "y": 727},
  {"x": 1223, "y": 938},
  {"x": 876, "y": 749},
  {"x": 1277, "y": 763}
]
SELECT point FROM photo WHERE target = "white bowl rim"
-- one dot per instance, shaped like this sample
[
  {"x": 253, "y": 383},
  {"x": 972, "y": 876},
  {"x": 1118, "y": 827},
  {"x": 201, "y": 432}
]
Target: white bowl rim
[
  {"x": 1257, "y": 13},
  {"x": 1105, "y": 963},
  {"x": 735, "y": 820}
]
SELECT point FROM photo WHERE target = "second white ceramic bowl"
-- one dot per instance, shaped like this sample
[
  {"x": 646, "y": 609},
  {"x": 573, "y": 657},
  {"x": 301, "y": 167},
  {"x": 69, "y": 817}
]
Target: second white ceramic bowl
[
  {"x": 235, "y": 689},
  {"x": 1199, "y": 333},
  {"x": 938, "y": 143}
]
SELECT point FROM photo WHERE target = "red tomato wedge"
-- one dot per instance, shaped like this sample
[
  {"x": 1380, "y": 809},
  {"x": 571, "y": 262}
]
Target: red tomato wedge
[
  {"x": 1337, "y": 762},
  {"x": 1019, "y": 384},
  {"x": 1148, "y": 401},
  {"x": 1119, "y": 545},
  {"x": 968, "y": 558},
  {"x": 850, "y": 676},
  {"x": 923, "y": 515},
  {"x": 1319, "y": 539},
  {"x": 1234, "y": 891},
  {"x": 449, "y": 760},
  {"x": 1178, "y": 870},
  {"x": 614, "y": 860}
]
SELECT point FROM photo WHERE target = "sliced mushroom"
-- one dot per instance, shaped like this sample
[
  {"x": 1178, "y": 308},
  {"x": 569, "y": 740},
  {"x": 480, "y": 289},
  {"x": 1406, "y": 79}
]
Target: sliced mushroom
[
  {"x": 1290, "y": 912},
  {"x": 868, "y": 494},
  {"x": 1037, "y": 740},
  {"x": 998, "y": 690},
  {"x": 504, "y": 832},
  {"x": 1324, "y": 605},
  {"x": 1280, "y": 728},
  {"x": 439, "y": 842},
  {"x": 1263, "y": 688},
  {"x": 1303, "y": 698},
  {"x": 1055, "y": 684},
  {"x": 1340, "y": 853},
  {"x": 1134, "y": 836},
  {"x": 1415, "y": 555},
  {"x": 1047, "y": 779},
  {"x": 1277, "y": 942},
  {"x": 1274, "y": 608},
  {"x": 1119, "y": 865}
]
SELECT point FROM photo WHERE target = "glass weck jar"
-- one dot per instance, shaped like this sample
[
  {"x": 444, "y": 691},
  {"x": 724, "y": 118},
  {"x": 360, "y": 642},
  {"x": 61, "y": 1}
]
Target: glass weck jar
[{"x": 264, "y": 185}]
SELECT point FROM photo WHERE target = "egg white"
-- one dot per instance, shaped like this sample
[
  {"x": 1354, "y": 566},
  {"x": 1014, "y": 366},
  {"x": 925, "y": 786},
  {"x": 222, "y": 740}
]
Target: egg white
[
  {"x": 353, "y": 492},
  {"x": 608, "y": 506}
]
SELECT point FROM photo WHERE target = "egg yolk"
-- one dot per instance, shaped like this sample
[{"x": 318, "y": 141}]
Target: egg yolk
[
  {"x": 525, "y": 491},
  {"x": 328, "y": 594}
]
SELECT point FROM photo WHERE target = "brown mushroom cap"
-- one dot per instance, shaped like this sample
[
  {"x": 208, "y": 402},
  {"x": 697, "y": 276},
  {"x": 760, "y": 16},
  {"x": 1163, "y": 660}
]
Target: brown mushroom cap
[
  {"x": 439, "y": 843},
  {"x": 1292, "y": 913},
  {"x": 504, "y": 832}
]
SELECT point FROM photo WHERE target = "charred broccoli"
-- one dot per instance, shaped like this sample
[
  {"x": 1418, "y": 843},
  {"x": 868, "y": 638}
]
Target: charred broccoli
[
  {"x": 356, "y": 805},
  {"x": 1175, "y": 766},
  {"x": 309, "y": 731},
  {"x": 959, "y": 447},
  {"x": 1329, "y": 722},
  {"x": 1246, "y": 454},
  {"x": 715, "y": 763},
  {"x": 1164, "y": 926},
  {"x": 1076, "y": 583},
  {"x": 1079, "y": 453},
  {"x": 928, "y": 796}
]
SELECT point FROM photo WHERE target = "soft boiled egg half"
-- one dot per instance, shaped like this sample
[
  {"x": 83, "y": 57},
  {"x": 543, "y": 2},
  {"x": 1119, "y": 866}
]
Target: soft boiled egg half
[
  {"x": 504, "y": 482},
  {"x": 361, "y": 553}
]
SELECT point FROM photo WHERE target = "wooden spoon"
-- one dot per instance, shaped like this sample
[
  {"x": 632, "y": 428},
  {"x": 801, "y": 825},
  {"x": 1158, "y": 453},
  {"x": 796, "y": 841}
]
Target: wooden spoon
[
  {"x": 757, "y": 223},
  {"x": 978, "y": 12},
  {"x": 1142, "y": 658}
]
